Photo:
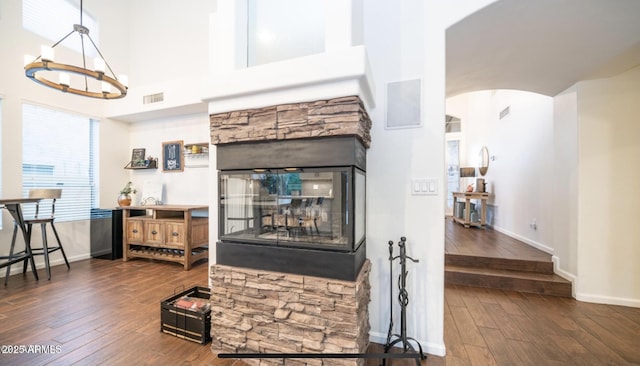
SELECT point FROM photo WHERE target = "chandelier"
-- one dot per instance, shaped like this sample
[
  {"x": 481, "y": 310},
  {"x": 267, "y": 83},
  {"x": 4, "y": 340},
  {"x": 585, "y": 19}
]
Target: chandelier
[{"x": 41, "y": 68}]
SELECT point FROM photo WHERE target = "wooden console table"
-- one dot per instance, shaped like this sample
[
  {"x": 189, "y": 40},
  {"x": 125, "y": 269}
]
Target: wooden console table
[
  {"x": 467, "y": 197},
  {"x": 165, "y": 232}
]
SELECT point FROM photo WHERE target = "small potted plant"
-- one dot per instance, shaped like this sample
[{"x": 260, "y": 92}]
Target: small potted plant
[{"x": 124, "y": 199}]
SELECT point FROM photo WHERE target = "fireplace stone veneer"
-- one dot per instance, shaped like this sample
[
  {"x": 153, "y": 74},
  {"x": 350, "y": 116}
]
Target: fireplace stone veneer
[
  {"x": 344, "y": 116},
  {"x": 270, "y": 312},
  {"x": 306, "y": 290}
]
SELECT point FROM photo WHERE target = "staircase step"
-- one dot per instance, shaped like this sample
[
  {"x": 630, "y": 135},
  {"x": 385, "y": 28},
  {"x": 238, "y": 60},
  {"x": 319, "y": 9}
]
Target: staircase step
[
  {"x": 526, "y": 265},
  {"x": 539, "y": 283}
]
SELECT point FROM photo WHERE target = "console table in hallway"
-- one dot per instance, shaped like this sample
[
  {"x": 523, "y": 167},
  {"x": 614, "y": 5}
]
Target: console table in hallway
[{"x": 466, "y": 217}]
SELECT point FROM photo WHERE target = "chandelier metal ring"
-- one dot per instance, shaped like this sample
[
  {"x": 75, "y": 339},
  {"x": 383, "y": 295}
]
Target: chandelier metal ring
[
  {"x": 32, "y": 69},
  {"x": 45, "y": 62}
]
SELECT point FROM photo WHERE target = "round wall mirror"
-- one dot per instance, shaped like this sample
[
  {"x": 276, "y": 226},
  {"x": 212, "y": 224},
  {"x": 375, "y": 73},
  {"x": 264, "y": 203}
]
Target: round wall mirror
[{"x": 484, "y": 161}]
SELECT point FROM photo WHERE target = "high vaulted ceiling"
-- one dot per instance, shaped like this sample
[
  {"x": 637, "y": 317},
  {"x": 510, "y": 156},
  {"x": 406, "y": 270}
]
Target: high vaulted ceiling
[{"x": 543, "y": 46}]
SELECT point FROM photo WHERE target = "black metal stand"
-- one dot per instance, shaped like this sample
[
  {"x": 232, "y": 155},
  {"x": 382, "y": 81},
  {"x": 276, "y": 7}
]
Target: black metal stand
[{"x": 403, "y": 298}]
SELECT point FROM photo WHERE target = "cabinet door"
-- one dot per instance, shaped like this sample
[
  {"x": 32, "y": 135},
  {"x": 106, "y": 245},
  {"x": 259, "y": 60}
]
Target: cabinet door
[
  {"x": 175, "y": 235},
  {"x": 153, "y": 232},
  {"x": 134, "y": 231}
]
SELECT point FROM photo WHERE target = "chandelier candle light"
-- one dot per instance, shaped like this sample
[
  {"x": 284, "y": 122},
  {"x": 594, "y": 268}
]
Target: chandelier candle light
[{"x": 34, "y": 68}]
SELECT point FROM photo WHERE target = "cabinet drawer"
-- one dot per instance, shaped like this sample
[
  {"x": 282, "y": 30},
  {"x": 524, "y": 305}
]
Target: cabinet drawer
[
  {"x": 153, "y": 232},
  {"x": 175, "y": 234},
  {"x": 134, "y": 231}
]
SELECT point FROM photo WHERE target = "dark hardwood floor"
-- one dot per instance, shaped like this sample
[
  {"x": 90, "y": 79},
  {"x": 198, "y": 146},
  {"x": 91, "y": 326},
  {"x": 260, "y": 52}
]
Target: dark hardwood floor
[
  {"x": 108, "y": 313},
  {"x": 483, "y": 257},
  {"x": 487, "y": 242}
]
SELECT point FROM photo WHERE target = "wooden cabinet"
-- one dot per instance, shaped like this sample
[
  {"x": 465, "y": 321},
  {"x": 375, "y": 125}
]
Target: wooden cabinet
[
  {"x": 134, "y": 231},
  {"x": 166, "y": 232}
]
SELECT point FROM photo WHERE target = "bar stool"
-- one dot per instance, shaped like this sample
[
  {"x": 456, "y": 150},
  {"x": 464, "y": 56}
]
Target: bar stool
[
  {"x": 43, "y": 220},
  {"x": 13, "y": 205}
]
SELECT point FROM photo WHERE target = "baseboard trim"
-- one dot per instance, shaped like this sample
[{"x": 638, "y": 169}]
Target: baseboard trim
[
  {"x": 436, "y": 349},
  {"x": 608, "y": 300},
  {"x": 17, "y": 268},
  {"x": 527, "y": 241},
  {"x": 564, "y": 274}
]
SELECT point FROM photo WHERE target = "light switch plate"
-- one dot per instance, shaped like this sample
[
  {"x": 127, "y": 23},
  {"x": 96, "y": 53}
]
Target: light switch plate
[{"x": 424, "y": 186}]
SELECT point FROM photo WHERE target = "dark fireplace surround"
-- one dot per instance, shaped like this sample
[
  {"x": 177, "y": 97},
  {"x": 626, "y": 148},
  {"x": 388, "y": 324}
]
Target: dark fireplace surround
[{"x": 321, "y": 138}]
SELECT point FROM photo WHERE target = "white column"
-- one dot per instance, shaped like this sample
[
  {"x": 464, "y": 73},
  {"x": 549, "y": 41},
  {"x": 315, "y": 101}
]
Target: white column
[
  {"x": 338, "y": 24},
  {"x": 228, "y": 36}
]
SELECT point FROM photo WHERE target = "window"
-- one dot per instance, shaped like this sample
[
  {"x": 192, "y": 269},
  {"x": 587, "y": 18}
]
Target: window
[
  {"x": 53, "y": 19},
  {"x": 453, "y": 170},
  {"x": 451, "y": 124},
  {"x": 284, "y": 29},
  {"x": 60, "y": 150}
]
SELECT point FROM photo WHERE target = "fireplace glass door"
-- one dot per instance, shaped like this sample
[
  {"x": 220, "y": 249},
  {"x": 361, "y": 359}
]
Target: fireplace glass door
[{"x": 290, "y": 207}]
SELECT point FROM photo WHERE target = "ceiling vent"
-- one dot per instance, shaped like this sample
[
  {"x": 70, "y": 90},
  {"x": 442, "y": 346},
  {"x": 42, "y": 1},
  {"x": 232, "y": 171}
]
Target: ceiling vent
[
  {"x": 153, "y": 98},
  {"x": 504, "y": 112}
]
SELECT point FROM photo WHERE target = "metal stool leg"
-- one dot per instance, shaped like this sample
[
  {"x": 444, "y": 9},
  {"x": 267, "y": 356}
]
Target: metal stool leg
[
  {"x": 55, "y": 232},
  {"x": 45, "y": 249},
  {"x": 13, "y": 245},
  {"x": 24, "y": 265}
]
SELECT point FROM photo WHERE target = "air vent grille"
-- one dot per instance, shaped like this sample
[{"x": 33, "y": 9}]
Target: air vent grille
[
  {"x": 153, "y": 98},
  {"x": 504, "y": 112}
]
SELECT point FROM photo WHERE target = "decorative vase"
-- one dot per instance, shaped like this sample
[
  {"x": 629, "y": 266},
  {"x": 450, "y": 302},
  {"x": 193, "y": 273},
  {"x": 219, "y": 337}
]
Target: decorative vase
[{"x": 124, "y": 200}]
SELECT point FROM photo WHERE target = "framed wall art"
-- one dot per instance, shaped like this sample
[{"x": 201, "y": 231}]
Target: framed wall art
[
  {"x": 137, "y": 157},
  {"x": 172, "y": 156}
]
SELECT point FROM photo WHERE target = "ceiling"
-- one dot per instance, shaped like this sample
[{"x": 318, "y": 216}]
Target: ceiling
[{"x": 543, "y": 46}]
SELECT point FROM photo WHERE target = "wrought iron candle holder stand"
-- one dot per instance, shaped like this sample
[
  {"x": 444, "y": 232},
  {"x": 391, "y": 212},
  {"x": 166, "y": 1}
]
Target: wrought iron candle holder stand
[{"x": 403, "y": 299}]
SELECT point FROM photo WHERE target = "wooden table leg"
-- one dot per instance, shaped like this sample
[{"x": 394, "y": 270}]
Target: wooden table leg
[
  {"x": 467, "y": 213},
  {"x": 483, "y": 214}
]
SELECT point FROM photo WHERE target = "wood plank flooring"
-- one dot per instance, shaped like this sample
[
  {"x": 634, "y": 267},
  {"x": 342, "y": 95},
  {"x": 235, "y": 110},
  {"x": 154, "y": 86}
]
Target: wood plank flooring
[
  {"x": 486, "y": 258},
  {"x": 105, "y": 312},
  {"x": 488, "y": 243}
]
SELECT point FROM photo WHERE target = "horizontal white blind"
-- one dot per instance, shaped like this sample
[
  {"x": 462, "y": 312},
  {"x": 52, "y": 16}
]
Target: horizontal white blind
[
  {"x": 59, "y": 151},
  {"x": 54, "y": 19}
]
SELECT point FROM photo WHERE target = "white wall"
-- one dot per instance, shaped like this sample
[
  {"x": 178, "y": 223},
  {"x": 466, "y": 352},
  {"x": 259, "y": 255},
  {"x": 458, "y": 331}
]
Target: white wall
[
  {"x": 169, "y": 39},
  {"x": 520, "y": 174},
  {"x": 16, "y": 89},
  {"x": 169, "y": 54},
  {"x": 396, "y": 49},
  {"x": 565, "y": 182},
  {"x": 189, "y": 187},
  {"x": 608, "y": 216}
]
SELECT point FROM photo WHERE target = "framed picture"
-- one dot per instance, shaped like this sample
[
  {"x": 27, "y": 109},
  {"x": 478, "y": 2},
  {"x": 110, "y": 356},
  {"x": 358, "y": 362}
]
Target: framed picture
[
  {"x": 137, "y": 157},
  {"x": 172, "y": 156}
]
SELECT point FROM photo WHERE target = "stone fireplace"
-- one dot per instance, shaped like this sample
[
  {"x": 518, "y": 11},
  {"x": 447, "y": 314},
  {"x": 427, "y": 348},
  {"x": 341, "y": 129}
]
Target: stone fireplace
[{"x": 291, "y": 273}]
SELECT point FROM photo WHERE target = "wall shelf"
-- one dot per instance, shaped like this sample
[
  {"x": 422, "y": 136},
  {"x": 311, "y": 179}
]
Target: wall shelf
[
  {"x": 149, "y": 164},
  {"x": 196, "y": 155}
]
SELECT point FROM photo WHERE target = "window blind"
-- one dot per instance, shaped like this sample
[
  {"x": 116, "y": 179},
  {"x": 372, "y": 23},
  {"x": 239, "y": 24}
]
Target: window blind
[
  {"x": 53, "y": 19},
  {"x": 59, "y": 150}
]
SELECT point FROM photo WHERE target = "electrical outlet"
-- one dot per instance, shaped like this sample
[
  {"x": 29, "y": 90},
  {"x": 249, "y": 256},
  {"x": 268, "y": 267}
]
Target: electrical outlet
[{"x": 533, "y": 225}]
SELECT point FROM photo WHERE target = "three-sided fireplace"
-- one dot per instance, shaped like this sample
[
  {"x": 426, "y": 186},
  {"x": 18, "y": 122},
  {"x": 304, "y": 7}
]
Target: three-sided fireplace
[
  {"x": 295, "y": 206},
  {"x": 292, "y": 187},
  {"x": 291, "y": 273}
]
